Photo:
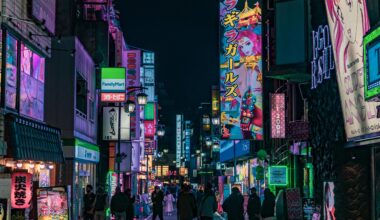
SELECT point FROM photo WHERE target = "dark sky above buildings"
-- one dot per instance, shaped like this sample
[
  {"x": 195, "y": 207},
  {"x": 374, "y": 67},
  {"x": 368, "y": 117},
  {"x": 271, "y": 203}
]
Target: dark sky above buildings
[{"x": 184, "y": 36}]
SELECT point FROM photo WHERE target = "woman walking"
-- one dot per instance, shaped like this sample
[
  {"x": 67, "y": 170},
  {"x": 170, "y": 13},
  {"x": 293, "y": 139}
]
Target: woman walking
[{"x": 169, "y": 199}]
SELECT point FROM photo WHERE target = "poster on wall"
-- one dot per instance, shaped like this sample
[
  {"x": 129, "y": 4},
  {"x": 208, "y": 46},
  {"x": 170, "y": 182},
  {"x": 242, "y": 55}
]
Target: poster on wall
[
  {"x": 348, "y": 23},
  {"x": 241, "y": 70},
  {"x": 278, "y": 175},
  {"x": 111, "y": 124},
  {"x": 52, "y": 203},
  {"x": 11, "y": 72},
  {"x": 329, "y": 200}
]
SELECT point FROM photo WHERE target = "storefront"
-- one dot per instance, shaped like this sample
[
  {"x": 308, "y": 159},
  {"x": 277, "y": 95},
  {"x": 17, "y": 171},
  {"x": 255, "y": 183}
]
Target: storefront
[
  {"x": 34, "y": 152},
  {"x": 80, "y": 170}
]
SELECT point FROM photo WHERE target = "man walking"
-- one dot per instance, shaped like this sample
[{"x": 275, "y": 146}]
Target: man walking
[
  {"x": 118, "y": 205},
  {"x": 254, "y": 205},
  {"x": 89, "y": 203},
  {"x": 157, "y": 199},
  {"x": 234, "y": 205},
  {"x": 187, "y": 207}
]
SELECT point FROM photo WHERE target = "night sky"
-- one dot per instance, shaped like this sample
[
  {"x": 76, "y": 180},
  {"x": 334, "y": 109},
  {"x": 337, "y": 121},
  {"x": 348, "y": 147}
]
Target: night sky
[{"x": 184, "y": 36}]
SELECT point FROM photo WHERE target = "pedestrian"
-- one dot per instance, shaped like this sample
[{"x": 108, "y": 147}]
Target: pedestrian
[
  {"x": 157, "y": 199},
  {"x": 89, "y": 203},
  {"x": 118, "y": 204},
  {"x": 200, "y": 194},
  {"x": 180, "y": 191},
  {"x": 267, "y": 210},
  {"x": 208, "y": 205},
  {"x": 169, "y": 199},
  {"x": 100, "y": 204},
  {"x": 187, "y": 206},
  {"x": 234, "y": 205},
  {"x": 254, "y": 205},
  {"x": 130, "y": 209}
]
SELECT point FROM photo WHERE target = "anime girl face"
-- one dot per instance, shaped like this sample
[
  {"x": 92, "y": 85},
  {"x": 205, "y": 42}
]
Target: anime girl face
[
  {"x": 249, "y": 43},
  {"x": 348, "y": 13},
  {"x": 246, "y": 46}
]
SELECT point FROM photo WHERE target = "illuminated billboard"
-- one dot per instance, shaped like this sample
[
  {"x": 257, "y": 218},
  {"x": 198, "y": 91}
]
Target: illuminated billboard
[
  {"x": 348, "y": 23},
  {"x": 21, "y": 191},
  {"x": 277, "y": 115},
  {"x": 241, "y": 88},
  {"x": 179, "y": 119},
  {"x": 52, "y": 203},
  {"x": 371, "y": 65},
  {"x": 111, "y": 124},
  {"x": 113, "y": 79}
]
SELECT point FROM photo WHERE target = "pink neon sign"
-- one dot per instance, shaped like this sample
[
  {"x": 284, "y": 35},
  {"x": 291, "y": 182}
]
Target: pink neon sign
[{"x": 278, "y": 115}]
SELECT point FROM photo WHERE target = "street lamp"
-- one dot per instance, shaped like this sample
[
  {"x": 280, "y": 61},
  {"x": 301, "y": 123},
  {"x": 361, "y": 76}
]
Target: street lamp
[
  {"x": 215, "y": 121},
  {"x": 130, "y": 106},
  {"x": 208, "y": 142},
  {"x": 161, "y": 132},
  {"x": 166, "y": 151},
  {"x": 142, "y": 98}
]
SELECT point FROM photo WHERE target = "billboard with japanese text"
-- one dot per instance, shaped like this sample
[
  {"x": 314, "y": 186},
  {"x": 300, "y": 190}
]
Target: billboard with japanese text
[
  {"x": 348, "y": 24},
  {"x": 241, "y": 70},
  {"x": 277, "y": 112}
]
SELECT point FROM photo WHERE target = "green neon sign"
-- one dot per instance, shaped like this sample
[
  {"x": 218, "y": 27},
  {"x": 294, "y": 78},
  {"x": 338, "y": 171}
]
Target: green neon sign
[
  {"x": 278, "y": 175},
  {"x": 370, "y": 47}
]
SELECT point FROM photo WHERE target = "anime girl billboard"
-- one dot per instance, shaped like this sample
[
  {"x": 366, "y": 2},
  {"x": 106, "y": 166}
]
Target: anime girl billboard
[
  {"x": 241, "y": 70},
  {"x": 348, "y": 21}
]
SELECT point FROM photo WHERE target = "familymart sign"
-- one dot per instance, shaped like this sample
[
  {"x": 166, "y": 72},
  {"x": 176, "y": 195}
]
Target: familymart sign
[{"x": 113, "y": 79}]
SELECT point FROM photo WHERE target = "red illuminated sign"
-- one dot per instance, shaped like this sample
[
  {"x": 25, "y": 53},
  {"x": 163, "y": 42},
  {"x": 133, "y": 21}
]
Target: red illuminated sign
[
  {"x": 149, "y": 129},
  {"x": 21, "y": 191},
  {"x": 278, "y": 115},
  {"x": 112, "y": 97}
]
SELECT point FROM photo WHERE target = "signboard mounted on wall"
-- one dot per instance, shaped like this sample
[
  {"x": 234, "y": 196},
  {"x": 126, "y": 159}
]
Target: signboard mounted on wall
[{"x": 372, "y": 65}]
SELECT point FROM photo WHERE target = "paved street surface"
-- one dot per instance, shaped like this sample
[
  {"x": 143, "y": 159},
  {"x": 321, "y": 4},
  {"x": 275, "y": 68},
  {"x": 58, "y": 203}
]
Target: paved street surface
[{"x": 166, "y": 217}]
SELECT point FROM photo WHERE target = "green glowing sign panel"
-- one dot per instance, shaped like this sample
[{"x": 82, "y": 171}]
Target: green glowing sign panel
[{"x": 278, "y": 175}]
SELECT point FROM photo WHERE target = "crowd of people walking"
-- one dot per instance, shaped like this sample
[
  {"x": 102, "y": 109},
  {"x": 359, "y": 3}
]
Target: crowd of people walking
[{"x": 201, "y": 204}]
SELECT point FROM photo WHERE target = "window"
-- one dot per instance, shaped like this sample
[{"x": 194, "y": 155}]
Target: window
[
  {"x": 92, "y": 110},
  {"x": 32, "y": 84},
  {"x": 11, "y": 72},
  {"x": 81, "y": 94}
]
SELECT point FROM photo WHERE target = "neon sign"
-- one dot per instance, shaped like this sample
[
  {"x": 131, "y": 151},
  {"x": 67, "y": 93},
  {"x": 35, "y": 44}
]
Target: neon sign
[
  {"x": 323, "y": 62},
  {"x": 278, "y": 115}
]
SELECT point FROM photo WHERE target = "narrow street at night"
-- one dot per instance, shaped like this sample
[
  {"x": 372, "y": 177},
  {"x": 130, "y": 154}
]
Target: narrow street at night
[{"x": 190, "y": 110}]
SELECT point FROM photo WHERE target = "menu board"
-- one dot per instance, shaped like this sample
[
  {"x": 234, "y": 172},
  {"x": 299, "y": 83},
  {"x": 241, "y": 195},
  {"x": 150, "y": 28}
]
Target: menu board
[{"x": 52, "y": 203}]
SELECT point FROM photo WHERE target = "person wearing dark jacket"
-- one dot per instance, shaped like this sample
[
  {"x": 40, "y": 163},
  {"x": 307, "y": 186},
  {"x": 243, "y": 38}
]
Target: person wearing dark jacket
[
  {"x": 208, "y": 204},
  {"x": 254, "y": 205},
  {"x": 118, "y": 202},
  {"x": 89, "y": 203},
  {"x": 187, "y": 207},
  {"x": 234, "y": 205},
  {"x": 158, "y": 207},
  {"x": 267, "y": 210},
  {"x": 130, "y": 205}
]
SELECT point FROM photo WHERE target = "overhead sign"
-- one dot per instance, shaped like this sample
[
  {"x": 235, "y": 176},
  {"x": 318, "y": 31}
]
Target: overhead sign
[
  {"x": 149, "y": 112},
  {"x": 21, "y": 191},
  {"x": 278, "y": 175},
  {"x": 112, "y": 97},
  {"x": 242, "y": 148},
  {"x": 149, "y": 148},
  {"x": 148, "y": 57},
  {"x": 277, "y": 115},
  {"x": 111, "y": 124},
  {"x": 348, "y": 23},
  {"x": 241, "y": 77},
  {"x": 113, "y": 79}
]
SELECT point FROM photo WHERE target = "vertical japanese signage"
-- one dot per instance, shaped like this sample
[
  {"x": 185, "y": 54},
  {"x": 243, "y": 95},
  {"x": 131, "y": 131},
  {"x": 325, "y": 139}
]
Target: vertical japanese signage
[
  {"x": 133, "y": 79},
  {"x": 348, "y": 23},
  {"x": 178, "y": 140},
  {"x": 111, "y": 124},
  {"x": 277, "y": 115},
  {"x": 21, "y": 191},
  {"x": 241, "y": 70},
  {"x": 187, "y": 139}
]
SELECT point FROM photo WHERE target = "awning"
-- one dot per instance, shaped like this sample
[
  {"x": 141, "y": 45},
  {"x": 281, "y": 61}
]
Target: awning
[{"x": 31, "y": 140}]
